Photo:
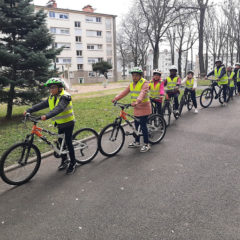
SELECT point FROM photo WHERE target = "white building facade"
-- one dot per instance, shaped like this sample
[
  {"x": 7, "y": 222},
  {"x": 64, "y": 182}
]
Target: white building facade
[{"x": 87, "y": 38}]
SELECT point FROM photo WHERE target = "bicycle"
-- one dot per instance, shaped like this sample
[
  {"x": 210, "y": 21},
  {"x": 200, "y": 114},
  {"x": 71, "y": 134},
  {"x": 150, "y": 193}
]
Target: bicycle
[
  {"x": 21, "y": 161},
  {"x": 186, "y": 100},
  {"x": 154, "y": 105},
  {"x": 168, "y": 109},
  {"x": 208, "y": 94},
  {"x": 112, "y": 136}
]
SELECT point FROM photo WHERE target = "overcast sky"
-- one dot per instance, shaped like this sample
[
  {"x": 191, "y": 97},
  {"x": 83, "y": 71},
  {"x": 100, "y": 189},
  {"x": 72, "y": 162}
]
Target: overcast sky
[{"x": 114, "y": 7}]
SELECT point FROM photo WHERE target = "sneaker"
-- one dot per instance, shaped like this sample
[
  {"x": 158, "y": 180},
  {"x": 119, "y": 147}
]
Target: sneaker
[
  {"x": 71, "y": 169},
  {"x": 224, "y": 104},
  {"x": 195, "y": 111},
  {"x": 134, "y": 145},
  {"x": 145, "y": 148},
  {"x": 63, "y": 165}
]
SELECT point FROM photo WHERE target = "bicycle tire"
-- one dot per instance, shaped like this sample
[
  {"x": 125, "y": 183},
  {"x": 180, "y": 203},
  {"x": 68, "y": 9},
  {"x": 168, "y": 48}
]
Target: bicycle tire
[
  {"x": 106, "y": 145},
  {"x": 85, "y": 143},
  {"x": 156, "y": 124},
  {"x": 189, "y": 103},
  {"x": 206, "y": 94},
  {"x": 220, "y": 98},
  {"x": 181, "y": 105},
  {"x": 6, "y": 169},
  {"x": 167, "y": 114}
]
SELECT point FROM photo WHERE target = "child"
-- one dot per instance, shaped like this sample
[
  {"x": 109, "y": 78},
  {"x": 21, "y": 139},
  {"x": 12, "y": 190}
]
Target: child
[
  {"x": 156, "y": 90},
  {"x": 230, "y": 74},
  {"x": 61, "y": 112},
  {"x": 142, "y": 106},
  {"x": 191, "y": 85}
]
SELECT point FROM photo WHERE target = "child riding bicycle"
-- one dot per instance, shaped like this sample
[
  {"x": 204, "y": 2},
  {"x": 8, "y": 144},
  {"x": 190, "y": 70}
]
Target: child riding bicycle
[
  {"x": 142, "y": 106},
  {"x": 156, "y": 90},
  {"x": 172, "y": 83},
  {"x": 61, "y": 111},
  {"x": 191, "y": 85},
  {"x": 230, "y": 74}
]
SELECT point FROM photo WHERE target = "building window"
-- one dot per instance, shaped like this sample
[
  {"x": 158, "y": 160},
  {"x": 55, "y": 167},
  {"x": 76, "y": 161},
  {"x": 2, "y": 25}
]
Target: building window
[
  {"x": 91, "y": 74},
  {"x": 52, "y": 14},
  {"x": 79, "y": 53},
  {"x": 64, "y": 45},
  {"x": 63, "y": 16},
  {"x": 93, "y": 19},
  {"x": 108, "y": 24},
  {"x": 90, "y": 47},
  {"x": 63, "y": 60},
  {"x": 78, "y": 39},
  {"x": 60, "y": 31},
  {"x": 81, "y": 80},
  {"x": 99, "y": 46},
  {"x": 77, "y": 24},
  {"x": 64, "y": 31},
  {"x": 109, "y": 60},
  {"x": 108, "y": 37},
  {"x": 98, "y": 19},
  {"x": 80, "y": 66},
  {"x": 99, "y": 33},
  {"x": 92, "y": 33},
  {"x": 53, "y": 30}
]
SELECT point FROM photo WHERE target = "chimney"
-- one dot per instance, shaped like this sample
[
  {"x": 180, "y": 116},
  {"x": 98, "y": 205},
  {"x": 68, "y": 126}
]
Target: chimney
[
  {"x": 52, "y": 4},
  {"x": 88, "y": 8}
]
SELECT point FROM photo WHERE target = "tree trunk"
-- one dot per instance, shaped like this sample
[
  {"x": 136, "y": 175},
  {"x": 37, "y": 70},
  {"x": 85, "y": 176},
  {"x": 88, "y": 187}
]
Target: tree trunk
[
  {"x": 10, "y": 102},
  {"x": 200, "y": 48},
  {"x": 155, "y": 56},
  {"x": 180, "y": 62},
  {"x": 206, "y": 59}
]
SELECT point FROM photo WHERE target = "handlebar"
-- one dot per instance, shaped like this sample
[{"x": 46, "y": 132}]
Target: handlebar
[
  {"x": 122, "y": 105},
  {"x": 32, "y": 118}
]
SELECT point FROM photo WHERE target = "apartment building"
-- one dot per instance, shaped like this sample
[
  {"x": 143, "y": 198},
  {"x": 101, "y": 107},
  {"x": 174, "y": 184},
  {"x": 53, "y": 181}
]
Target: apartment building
[{"x": 87, "y": 38}]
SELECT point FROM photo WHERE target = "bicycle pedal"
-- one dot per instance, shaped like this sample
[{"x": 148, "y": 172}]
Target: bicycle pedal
[{"x": 128, "y": 133}]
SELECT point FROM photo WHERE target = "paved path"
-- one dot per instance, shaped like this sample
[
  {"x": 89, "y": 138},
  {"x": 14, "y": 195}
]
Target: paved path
[{"x": 186, "y": 188}]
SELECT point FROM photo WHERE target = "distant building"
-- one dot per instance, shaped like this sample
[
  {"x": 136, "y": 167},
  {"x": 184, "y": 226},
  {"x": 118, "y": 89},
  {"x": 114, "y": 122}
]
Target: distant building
[{"x": 87, "y": 38}]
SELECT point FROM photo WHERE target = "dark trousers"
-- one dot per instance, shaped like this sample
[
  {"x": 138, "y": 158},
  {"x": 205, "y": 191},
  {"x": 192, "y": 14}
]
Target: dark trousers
[
  {"x": 158, "y": 108},
  {"x": 143, "y": 126},
  {"x": 193, "y": 96},
  {"x": 175, "y": 96},
  {"x": 224, "y": 90},
  {"x": 231, "y": 91},
  {"x": 238, "y": 87},
  {"x": 68, "y": 131}
]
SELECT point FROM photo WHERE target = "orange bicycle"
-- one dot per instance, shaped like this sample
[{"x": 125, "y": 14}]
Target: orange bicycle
[
  {"x": 22, "y": 160},
  {"x": 112, "y": 137}
]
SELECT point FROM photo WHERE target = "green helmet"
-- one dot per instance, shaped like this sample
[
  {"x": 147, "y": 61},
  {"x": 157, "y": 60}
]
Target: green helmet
[
  {"x": 54, "y": 81},
  {"x": 136, "y": 70}
]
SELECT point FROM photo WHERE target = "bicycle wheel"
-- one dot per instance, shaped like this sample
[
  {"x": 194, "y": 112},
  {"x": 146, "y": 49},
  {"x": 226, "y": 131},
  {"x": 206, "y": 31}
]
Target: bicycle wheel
[
  {"x": 20, "y": 163},
  {"x": 156, "y": 128},
  {"x": 189, "y": 103},
  {"x": 85, "y": 142},
  {"x": 206, "y": 97},
  {"x": 167, "y": 114},
  {"x": 221, "y": 98},
  {"x": 111, "y": 139},
  {"x": 182, "y": 103}
]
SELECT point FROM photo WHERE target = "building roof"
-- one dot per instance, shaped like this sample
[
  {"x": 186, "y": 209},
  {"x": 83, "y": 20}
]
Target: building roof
[{"x": 74, "y": 11}]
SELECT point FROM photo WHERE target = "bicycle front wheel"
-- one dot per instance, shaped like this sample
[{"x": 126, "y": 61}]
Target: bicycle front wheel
[
  {"x": 156, "y": 128},
  {"x": 182, "y": 102},
  {"x": 85, "y": 143},
  {"x": 20, "y": 163},
  {"x": 111, "y": 139},
  {"x": 221, "y": 97},
  {"x": 167, "y": 114},
  {"x": 189, "y": 103},
  {"x": 206, "y": 97}
]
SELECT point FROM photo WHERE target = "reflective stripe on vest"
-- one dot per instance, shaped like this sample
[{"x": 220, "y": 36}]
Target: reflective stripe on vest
[
  {"x": 67, "y": 115},
  {"x": 171, "y": 83},
  {"x": 224, "y": 79},
  {"x": 136, "y": 91},
  {"x": 154, "y": 92},
  {"x": 189, "y": 84}
]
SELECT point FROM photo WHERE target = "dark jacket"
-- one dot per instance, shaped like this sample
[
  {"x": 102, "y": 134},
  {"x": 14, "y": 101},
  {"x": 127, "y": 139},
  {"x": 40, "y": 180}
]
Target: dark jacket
[
  {"x": 223, "y": 72},
  {"x": 63, "y": 103}
]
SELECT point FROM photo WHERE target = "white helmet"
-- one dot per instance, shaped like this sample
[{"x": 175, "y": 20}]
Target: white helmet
[
  {"x": 173, "y": 67},
  {"x": 157, "y": 71},
  {"x": 237, "y": 64}
]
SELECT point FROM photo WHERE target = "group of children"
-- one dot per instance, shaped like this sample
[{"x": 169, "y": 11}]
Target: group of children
[{"x": 142, "y": 91}]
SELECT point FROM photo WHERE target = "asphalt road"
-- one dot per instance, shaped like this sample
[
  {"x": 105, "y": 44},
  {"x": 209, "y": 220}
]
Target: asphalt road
[{"x": 186, "y": 188}]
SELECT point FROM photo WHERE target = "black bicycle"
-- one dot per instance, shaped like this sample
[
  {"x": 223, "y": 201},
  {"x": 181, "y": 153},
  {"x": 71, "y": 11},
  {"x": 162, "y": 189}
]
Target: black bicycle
[
  {"x": 209, "y": 93},
  {"x": 112, "y": 136},
  {"x": 21, "y": 161},
  {"x": 168, "y": 109},
  {"x": 186, "y": 99}
]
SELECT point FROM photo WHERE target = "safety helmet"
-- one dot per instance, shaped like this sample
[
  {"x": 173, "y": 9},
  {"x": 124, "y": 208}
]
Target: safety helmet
[
  {"x": 229, "y": 68},
  {"x": 157, "y": 71},
  {"x": 237, "y": 64},
  {"x": 218, "y": 60},
  {"x": 173, "y": 67},
  {"x": 136, "y": 70},
  {"x": 54, "y": 81},
  {"x": 190, "y": 71}
]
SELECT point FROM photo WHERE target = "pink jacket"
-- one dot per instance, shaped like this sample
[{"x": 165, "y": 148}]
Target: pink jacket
[
  {"x": 141, "y": 109},
  {"x": 161, "y": 92}
]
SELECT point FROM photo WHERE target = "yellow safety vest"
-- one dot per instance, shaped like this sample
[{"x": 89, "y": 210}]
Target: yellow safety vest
[
  {"x": 67, "y": 115},
  {"x": 136, "y": 91},
  {"x": 154, "y": 92},
  {"x": 171, "y": 83},
  {"x": 238, "y": 75},
  {"x": 231, "y": 79},
  {"x": 224, "y": 79},
  {"x": 189, "y": 84}
]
